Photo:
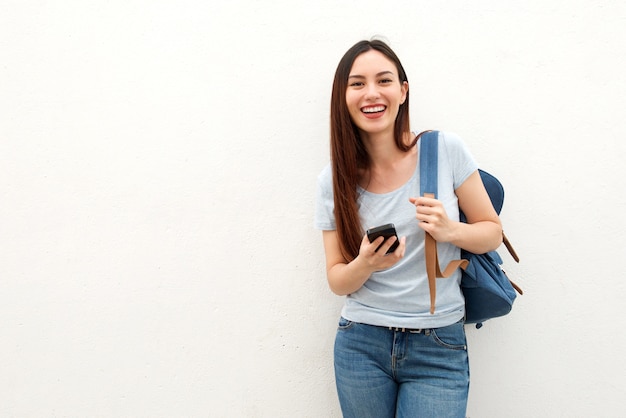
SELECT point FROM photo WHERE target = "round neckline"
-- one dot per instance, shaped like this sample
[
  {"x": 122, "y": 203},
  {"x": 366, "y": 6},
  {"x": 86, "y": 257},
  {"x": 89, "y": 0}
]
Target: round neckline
[{"x": 404, "y": 185}]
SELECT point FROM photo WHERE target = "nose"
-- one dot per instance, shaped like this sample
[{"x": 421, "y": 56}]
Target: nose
[{"x": 372, "y": 91}]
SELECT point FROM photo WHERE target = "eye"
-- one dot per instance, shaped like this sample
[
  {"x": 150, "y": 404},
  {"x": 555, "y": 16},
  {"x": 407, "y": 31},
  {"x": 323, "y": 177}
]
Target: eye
[
  {"x": 386, "y": 81},
  {"x": 356, "y": 84}
]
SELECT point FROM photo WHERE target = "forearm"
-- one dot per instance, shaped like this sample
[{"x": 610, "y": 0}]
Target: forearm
[
  {"x": 479, "y": 237},
  {"x": 346, "y": 278}
]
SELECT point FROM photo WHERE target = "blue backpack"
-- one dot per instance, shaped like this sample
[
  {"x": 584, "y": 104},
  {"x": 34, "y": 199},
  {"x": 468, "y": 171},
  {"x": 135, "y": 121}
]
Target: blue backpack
[{"x": 488, "y": 291}]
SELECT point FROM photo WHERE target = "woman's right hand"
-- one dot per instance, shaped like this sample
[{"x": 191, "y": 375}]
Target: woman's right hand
[
  {"x": 380, "y": 260},
  {"x": 348, "y": 277}
]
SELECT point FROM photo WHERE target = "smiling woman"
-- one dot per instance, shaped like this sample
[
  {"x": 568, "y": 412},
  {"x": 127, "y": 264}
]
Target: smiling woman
[
  {"x": 375, "y": 96},
  {"x": 347, "y": 148},
  {"x": 389, "y": 348}
]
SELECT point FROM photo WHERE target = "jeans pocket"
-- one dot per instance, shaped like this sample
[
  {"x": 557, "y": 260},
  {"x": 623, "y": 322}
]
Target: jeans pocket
[
  {"x": 452, "y": 336},
  {"x": 344, "y": 323}
]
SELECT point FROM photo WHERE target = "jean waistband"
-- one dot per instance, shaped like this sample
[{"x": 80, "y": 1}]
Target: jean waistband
[{"x": 411, "y": 330}]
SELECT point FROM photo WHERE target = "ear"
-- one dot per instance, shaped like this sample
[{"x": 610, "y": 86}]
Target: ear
[{"x": 405, "y": 90}]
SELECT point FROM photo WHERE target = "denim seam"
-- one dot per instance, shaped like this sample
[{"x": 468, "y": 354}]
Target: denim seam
[{"x": 442, "y": 343}]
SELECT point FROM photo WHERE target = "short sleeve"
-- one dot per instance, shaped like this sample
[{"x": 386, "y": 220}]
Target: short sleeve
[{"x": 459, "y": 157}]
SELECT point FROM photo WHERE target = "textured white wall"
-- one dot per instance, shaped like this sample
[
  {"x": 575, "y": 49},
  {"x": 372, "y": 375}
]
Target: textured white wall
[{"x": 157, "y": 174}]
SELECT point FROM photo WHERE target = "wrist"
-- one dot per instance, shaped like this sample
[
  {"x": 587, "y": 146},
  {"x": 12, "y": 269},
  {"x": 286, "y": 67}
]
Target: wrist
[{"x": 361, "y": 268}]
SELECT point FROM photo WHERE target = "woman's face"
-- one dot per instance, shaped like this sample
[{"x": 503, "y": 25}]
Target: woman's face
[{"x": 374, "y": 93}]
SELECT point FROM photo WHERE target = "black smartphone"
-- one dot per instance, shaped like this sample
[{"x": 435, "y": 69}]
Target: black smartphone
[{"x": 387, "y": 231}]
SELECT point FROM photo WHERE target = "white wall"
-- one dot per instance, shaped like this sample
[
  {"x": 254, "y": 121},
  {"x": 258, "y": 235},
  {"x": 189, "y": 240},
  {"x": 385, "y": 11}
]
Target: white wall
[{"x": 157, "y": 176}]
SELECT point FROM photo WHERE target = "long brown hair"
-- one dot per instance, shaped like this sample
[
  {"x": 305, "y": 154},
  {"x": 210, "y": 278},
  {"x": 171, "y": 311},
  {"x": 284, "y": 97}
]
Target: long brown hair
[{"x": 348, "y": 153}]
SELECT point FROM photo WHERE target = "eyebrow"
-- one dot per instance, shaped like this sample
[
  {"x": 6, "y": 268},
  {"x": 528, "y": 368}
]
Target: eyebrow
[{"x": 377, "y": 75}]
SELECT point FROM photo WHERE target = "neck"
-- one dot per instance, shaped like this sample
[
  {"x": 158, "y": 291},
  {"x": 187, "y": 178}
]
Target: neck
[
  {"x": 382, "y": 148},
  {"x": 389, "y": 167}
]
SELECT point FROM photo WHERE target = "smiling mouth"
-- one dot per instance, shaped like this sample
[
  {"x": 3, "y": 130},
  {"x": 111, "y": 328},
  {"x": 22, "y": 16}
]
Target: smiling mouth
[{"x": 373, "y": 109}]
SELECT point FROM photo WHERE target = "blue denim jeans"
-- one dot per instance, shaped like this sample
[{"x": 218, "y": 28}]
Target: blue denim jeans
[{"x": 382, "y": 372}]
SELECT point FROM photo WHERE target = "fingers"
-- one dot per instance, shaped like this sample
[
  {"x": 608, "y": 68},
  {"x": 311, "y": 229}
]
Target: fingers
[
  {"x": 375, "y": 252},
  {"x": 379, "y": 245},
  {"x": 423, "y": 201},
  {"x": 369, "y": 248},
  {"x": 427, "y": 209},
  {"x": 386, "y": 245}
]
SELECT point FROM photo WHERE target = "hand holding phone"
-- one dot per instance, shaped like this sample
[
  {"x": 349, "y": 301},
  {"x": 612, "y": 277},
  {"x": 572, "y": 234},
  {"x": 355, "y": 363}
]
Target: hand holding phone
[{"x": 386, "y": 231}]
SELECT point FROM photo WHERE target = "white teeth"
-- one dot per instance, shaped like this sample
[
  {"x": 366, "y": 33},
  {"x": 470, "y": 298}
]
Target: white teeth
[{"x": 373, "y": 109}]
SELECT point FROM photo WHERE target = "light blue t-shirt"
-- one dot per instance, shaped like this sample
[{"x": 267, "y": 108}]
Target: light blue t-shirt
[{"x": 399, "y": 296}]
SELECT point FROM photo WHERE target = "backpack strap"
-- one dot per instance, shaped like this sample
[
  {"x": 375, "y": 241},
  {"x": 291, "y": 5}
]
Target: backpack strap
[
  {"x": 509, "y": 247},
  {"x": 428, "y": 160}
]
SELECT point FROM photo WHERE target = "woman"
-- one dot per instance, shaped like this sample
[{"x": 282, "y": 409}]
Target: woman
[{"x": 393, "y": 358}]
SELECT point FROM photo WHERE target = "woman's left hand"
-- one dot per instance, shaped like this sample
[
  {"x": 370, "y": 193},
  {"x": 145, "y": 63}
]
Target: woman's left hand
[{"x": 433, "y": 218}]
